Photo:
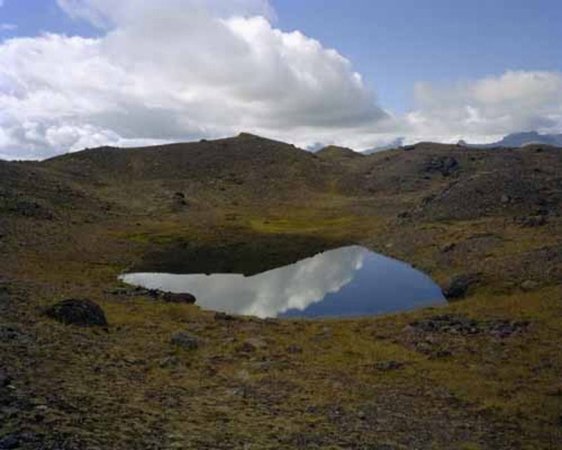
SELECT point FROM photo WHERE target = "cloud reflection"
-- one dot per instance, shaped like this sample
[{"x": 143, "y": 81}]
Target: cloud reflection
[{"x": 268, "y": 294}]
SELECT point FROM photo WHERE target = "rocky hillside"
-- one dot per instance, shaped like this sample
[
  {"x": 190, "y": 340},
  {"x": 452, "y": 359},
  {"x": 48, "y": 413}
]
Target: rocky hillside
[
  {"x": 87, "y": 362},
  {"x": 452, "y": 182}
]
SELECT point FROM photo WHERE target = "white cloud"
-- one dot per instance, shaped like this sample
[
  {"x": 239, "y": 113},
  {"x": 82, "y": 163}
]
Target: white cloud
[
  {"x": 8, "y": 26},
  {"x": 108, "y": 13},
  {"x": 488, "y": 108},
  {"x": 181, "y": 70},
  {"x": 186, "y": 69}
]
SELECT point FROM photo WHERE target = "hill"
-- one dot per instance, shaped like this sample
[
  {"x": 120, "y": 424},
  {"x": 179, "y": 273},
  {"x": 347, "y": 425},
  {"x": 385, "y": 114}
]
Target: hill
[
  {"x": 481, "y": 372},
  {"x": 523, "y": 139}
]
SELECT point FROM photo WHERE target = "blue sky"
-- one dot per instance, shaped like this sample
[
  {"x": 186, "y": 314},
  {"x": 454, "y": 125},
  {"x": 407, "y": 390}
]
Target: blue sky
[
  {"x": 395, "y": 43},
  {"x": 440, "y": 70}
]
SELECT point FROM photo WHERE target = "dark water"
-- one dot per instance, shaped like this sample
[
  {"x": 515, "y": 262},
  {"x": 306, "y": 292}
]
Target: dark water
[{"x": 348, "y": 281}]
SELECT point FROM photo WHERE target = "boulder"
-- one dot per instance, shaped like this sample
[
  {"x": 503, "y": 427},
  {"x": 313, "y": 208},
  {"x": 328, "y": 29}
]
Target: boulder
[
  {"x": 170, "y": 297},
  {"x": 179, "y": 199},
  {"x": 458, "y": 286},
  {"x": 84, "y": 313}
]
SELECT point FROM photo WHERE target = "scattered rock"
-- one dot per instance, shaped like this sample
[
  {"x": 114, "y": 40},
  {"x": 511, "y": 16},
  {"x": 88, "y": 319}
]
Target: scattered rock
[
  {"x": 224, "y": 316},
  {"x": 9, "y": 442},
  {"x": 84, "y": 313},
  {"x": 555, "y": 391},
  {"x": 505, "y": 328},
  {"x": 459, "y": 285},
  {"x": 31, "y": 209},
  {"x": 169, "y": 362},
  {"x": 531, "y": 221},
  {"x": 185, "y": 341},
  {"x": 179, "y": 198},
  {"x": 505, "y": 199},
  {"x": 10, "y": 333},
  {"x": 5, "y": 379},
  {"x": 446, "y": 165},
  {"x": 448, "y": 247},
  {"x": 137, "y": 291},
  {"x": 443, "y": 353},
  {"x": 271, "y": 321},
  {"x": 447, "y": 323},
  {"x": 294, "y": 349},
  {"x": 387, "y": 366},
  {"x": 170, "y": 297},
  {"x": 461, "y": 325},
  {"x": 23, "y": 439},
  {"x": 251, "y": 345}
]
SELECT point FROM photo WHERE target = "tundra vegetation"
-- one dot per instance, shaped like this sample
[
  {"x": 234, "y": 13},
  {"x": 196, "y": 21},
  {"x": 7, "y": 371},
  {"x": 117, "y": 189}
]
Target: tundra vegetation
[{"x": 145, "y": 373}]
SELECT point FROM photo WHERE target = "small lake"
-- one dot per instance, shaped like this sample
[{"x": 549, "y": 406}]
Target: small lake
[{"x": 344, "y": 282}]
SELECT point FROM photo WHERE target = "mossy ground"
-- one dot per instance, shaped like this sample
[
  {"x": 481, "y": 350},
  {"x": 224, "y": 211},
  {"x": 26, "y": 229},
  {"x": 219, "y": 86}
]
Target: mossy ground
[{"x": 313, "y": 383}]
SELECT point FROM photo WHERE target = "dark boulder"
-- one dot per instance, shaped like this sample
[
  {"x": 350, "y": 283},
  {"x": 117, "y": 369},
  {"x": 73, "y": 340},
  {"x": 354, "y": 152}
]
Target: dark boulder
[
  {"x": 170, "y": 297},
  {"x": 179, "y": 199},
  {"x": 84, "y": 313},
  {"x": 458, "y": 286}
]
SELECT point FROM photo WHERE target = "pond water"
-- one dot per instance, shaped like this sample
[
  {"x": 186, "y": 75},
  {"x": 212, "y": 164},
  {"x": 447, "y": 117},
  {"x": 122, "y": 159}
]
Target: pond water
[{"x": 348, "y": 281}]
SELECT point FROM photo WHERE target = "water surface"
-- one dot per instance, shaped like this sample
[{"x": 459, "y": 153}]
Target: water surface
[{"x": 348, "y": 281}]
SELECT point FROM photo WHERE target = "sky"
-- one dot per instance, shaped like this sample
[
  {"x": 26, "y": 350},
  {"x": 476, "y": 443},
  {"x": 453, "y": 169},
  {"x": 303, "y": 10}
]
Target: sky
[{"x": 358, "y": 73}]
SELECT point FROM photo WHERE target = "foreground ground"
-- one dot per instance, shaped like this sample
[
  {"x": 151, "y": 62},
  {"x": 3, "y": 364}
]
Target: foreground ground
[{"x": 483, "y": 372}]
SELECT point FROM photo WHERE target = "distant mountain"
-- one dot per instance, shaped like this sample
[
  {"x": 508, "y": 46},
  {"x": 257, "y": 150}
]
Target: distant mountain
[
  {"x": 522, "y": 139},
  {"x": 396, "y": 143}
]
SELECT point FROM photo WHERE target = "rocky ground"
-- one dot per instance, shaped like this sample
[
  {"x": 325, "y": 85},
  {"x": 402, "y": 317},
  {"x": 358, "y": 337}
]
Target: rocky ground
[{"x": 482, "y": 372}]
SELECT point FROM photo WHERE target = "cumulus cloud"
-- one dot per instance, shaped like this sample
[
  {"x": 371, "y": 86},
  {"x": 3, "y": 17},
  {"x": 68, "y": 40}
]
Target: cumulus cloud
[
  {"x": 178, "y": 70},
  {"x": 187, "y": 69},
  {"x": 488, "y": 108}
]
